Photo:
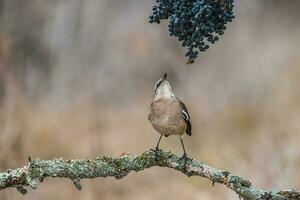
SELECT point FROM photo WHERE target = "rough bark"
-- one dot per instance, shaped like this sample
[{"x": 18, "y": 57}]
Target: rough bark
[{"x": 36, "y": 170}]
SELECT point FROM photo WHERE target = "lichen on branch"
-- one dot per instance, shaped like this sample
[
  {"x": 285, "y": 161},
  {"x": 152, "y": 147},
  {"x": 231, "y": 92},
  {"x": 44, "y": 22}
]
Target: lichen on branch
[{"x": 36, "y": 170}]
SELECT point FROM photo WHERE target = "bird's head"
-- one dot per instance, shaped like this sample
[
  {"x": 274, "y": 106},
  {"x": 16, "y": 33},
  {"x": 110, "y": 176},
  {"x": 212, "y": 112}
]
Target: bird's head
[{"x": 163, "y": 89}]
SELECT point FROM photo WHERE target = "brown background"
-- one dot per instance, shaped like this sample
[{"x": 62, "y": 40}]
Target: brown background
[{"x": 76, "y": 80}]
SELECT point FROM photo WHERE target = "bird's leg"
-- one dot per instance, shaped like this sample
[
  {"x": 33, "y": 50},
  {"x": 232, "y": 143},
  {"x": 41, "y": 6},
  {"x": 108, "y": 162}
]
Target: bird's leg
[
  {"x": 184, "y": 156},
  {"x": 156, "y": 148}
]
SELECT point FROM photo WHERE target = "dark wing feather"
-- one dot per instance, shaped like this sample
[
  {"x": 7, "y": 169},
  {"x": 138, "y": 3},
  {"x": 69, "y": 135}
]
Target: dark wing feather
[{"x": 186, "y": 117}]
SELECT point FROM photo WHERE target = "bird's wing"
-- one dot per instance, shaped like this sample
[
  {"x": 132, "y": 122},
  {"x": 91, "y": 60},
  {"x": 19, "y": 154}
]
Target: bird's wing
[{"x": 186, "y": 117}]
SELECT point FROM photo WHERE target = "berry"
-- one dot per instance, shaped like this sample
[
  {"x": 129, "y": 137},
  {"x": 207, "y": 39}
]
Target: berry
[{"x": 195, "y": 23}]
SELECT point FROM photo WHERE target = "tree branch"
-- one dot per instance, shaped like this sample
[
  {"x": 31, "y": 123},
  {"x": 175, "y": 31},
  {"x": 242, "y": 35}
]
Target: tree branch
[{"x": 36, "y": 170}]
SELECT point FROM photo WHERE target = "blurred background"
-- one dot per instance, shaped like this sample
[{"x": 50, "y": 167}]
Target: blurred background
[{"x": 76, "y": 80}]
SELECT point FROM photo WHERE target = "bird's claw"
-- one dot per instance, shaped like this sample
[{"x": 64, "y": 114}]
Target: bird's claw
[
  {"x": 185, "y": 158},
  {"x": 156, "y": 150}
]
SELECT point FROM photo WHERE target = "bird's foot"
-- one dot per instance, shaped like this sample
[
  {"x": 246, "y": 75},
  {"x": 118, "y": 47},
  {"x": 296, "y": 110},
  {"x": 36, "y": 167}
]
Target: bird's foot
[
  {"x": 156, "y": 150},
  {"x": 185, "y": 158}
]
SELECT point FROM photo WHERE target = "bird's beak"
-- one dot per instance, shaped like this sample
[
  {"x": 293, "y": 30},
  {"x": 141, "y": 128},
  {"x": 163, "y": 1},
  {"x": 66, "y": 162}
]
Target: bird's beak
[{"x": 165, "y": 76}]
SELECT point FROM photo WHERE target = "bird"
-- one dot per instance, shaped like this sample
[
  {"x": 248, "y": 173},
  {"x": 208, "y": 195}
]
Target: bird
[{"x": 168, "y": 115}]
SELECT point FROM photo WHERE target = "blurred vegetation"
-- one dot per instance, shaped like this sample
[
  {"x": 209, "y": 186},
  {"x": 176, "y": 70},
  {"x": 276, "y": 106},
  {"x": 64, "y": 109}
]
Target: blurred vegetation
[{"x": 76, "y": 80}]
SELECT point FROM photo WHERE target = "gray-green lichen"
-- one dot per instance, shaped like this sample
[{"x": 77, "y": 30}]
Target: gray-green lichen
[{"x": 36, "y": 170}]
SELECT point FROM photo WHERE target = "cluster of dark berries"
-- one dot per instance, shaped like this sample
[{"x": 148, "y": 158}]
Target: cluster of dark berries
[{"x": 195, "y": 23}]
